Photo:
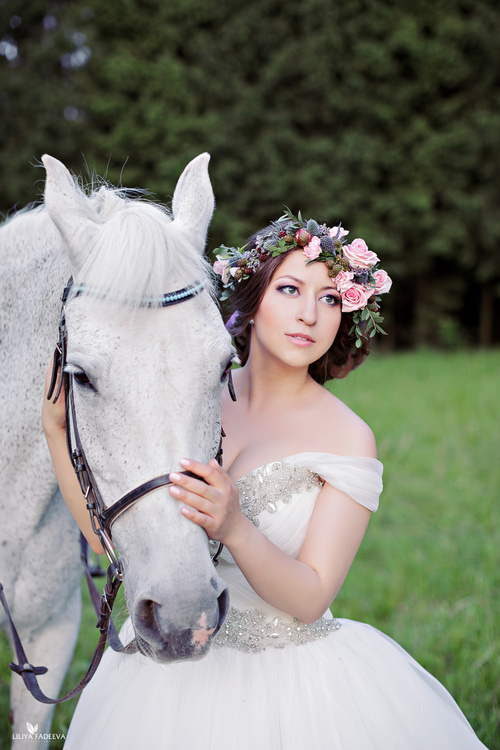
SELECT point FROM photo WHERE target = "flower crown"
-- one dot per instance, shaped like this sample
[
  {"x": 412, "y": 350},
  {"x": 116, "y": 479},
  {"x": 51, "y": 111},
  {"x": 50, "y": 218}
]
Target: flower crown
[{"x": 354, "y": 267}]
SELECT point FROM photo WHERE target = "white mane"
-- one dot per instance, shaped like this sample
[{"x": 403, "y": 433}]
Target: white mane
[{"x": 137, "y": 250}]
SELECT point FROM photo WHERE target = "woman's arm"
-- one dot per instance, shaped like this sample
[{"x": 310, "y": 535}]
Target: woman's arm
[
  {"x": 54, "y": 426},
  {"x": 303, "y": 587}
]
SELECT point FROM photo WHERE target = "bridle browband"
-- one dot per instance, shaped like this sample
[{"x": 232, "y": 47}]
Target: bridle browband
[{"x": 102, "y": 518}]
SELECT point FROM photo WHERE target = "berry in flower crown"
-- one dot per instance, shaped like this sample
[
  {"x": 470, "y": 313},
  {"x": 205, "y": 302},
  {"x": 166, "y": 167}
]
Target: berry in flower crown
[{"x": 358, "y": 278}]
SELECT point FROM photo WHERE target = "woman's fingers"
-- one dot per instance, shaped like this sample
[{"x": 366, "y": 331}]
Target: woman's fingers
[
  {"x": 184, "y": 485},
  {"x": 211, "y": 501},
  {"x": 200, "y": 519},
  {"x": 212, "y": 473},
  {"x": 193, "y": 499},
  {"x": 212, "y": 483}
]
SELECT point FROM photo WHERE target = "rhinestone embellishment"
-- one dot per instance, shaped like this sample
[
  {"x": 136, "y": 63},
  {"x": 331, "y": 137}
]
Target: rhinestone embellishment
[
  {"x": 251, "y": 630},
  {"x": 263, "y": 488}
]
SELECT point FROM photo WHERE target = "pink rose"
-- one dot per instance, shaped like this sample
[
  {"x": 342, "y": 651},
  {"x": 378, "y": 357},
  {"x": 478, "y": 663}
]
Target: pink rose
[
  {"x": 383, "y": 282},
  {"x": 313, "y": 249},
  {"x": 358, "y": 255},
  {"x": 220, "y": 267},
  {"x": 338, "y": 230},
  {"x": 355, "y": 298},
  {"x": 343, "y": 281}
]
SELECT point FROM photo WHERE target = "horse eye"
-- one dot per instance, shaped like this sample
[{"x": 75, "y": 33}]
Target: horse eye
[{"x": 80, "y": 377}]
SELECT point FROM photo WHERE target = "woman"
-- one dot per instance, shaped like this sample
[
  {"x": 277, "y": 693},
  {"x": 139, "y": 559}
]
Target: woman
[{"x": 291, "y": 507}]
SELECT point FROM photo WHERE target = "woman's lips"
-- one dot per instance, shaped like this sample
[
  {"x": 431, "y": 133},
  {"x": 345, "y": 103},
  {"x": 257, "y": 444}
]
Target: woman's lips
[{"x": 300, "y": 339}]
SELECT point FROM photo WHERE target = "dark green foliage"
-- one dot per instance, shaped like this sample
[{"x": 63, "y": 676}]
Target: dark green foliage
[{"x": 382, "y": 114}]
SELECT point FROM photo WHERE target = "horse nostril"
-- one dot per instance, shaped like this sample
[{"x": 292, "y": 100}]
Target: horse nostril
[{"x": 146, "y": 614}]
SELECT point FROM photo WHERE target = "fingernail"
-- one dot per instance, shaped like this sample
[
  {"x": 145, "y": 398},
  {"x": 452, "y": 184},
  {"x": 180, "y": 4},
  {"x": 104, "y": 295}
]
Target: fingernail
[
  {"x": 175, "y": 476},
  {"x": 184, "y": 462},
  {"x": 175, "y": 491}
]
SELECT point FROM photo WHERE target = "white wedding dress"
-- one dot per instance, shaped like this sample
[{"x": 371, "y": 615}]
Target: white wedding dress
[{"x": 269, "y": 682}]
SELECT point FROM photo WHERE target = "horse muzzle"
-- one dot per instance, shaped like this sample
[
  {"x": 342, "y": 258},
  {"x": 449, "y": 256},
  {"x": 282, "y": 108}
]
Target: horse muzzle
[{"x": 164, "y": 641}]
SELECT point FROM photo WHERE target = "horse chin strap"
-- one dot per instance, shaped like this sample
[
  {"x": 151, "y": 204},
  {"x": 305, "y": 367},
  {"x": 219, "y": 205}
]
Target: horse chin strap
[{"x": 101, "y": 517}]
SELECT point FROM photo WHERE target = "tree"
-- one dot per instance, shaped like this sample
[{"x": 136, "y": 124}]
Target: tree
[{"x": 381, "y": 113}]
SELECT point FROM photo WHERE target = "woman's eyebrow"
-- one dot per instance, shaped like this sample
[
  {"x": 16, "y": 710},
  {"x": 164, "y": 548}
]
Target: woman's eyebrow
[
  {"x": 299, "y": 281},
  {"x": 289, "y": 276}
]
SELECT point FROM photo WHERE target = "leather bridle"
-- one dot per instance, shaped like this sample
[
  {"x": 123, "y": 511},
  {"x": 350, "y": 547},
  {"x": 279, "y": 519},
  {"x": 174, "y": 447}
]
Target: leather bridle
[{"x": 102, "y": 518}]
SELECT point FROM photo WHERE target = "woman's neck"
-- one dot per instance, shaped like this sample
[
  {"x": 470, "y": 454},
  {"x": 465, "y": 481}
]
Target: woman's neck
[{"x": 270, "y": 386}]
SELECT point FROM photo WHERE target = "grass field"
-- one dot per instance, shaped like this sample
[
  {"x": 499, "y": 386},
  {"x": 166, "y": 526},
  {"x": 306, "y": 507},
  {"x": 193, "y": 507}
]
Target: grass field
[{"x": 428, "y": 572}]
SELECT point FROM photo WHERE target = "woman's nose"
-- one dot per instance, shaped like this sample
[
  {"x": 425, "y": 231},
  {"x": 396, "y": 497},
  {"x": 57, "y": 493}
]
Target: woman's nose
[{"x": 307, "y": 310}]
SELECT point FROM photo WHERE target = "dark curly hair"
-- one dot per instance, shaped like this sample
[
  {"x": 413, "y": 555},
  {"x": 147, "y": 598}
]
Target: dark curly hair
[{"x": 342, "y": 357}]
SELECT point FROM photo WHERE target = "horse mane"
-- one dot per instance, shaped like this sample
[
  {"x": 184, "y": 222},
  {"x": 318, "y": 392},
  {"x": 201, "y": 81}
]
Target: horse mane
[{"x": 135, "y": 249}]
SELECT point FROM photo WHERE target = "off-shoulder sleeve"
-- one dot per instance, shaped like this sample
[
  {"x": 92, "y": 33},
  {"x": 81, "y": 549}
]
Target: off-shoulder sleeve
[{"x": 358, "y": 477}]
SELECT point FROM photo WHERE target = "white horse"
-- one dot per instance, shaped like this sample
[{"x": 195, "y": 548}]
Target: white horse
[{"x": 149, "y": 394}]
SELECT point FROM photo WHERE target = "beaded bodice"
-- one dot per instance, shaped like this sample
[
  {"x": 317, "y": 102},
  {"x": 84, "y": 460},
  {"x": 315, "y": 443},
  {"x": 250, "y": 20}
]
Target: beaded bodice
[
  {"x": 266, "y": 487},
  {"x": 279, "y": 498}
]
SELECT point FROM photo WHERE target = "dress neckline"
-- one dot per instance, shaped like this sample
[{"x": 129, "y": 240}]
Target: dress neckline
[
  {"x": 259, "y": 468},
  {"x": 286, "y": 459}
]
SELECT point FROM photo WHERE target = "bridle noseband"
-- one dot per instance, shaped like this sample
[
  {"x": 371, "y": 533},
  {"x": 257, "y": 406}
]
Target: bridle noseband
[{"x": 102, "y": 518}]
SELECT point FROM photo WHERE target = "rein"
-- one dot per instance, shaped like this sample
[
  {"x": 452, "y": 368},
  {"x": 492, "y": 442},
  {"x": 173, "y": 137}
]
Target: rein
[{"x": 102, "y": 518}]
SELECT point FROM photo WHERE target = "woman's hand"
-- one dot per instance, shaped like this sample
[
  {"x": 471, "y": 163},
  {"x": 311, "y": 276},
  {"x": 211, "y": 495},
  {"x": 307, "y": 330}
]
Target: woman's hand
[
  {"x": 212, "y": 504},
  {"x": 54, "y": 426},
  {"x": 53, "y": 415}
]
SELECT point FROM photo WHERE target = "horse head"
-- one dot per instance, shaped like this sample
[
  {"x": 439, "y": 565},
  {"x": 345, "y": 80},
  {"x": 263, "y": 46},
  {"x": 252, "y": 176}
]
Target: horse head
[{"x": 147, "y": 388}]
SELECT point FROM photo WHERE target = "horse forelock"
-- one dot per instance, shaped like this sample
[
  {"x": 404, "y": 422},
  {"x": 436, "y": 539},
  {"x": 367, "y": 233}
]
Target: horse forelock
[{"x": 136, "y": 250}]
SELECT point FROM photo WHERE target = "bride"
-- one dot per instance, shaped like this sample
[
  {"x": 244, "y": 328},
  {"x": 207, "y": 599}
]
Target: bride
[{"x": 291, "y": 507}]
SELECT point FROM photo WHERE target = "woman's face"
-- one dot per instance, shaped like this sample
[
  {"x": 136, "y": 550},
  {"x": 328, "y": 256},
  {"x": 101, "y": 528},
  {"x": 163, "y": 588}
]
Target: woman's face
[{"x": 299, "y": 315}]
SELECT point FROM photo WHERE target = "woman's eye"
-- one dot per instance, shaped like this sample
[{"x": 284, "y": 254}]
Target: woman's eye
[
  {"x": 289, "y": 289},
  {"x": 331, "y": 299}
]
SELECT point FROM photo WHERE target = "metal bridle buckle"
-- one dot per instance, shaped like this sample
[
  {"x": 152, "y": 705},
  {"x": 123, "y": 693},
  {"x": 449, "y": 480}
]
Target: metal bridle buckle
[{"x": 110, "y": 552}]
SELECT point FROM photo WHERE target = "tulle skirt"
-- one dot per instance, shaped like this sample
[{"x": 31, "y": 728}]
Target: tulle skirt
[{"x": 355, "y": 689}]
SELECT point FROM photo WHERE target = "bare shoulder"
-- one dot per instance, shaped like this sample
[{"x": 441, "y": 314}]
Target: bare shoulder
[{"x": 343, "y": 430}]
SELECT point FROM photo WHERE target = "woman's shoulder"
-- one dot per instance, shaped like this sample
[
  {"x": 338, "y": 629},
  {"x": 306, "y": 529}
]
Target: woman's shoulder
[{"x": 342, "y": 429}]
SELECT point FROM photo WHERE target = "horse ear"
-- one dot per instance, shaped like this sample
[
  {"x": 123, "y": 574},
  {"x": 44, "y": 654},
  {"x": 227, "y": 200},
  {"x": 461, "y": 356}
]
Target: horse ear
[
  {"x": 66, "y": 205},
  {"x": 193, "y": 202}
]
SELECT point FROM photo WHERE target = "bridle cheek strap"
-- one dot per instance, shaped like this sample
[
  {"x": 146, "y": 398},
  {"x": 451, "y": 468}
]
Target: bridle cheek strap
[{"x": 101, "y": 517}]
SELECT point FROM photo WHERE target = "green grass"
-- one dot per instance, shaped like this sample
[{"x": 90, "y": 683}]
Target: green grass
[{"x": 428, "y": 572}]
